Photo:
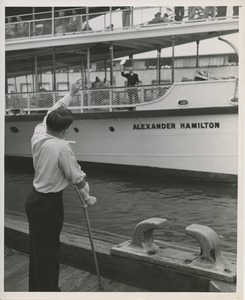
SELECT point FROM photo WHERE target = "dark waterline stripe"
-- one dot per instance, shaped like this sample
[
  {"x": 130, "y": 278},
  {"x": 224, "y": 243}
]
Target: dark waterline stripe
[
  {"x": 11, "y": 162},
  {"x": 134, "y": 114}
]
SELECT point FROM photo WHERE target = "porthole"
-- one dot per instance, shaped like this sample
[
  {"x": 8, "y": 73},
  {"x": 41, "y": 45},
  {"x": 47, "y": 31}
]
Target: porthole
[
  {"x": 234, "y": 101},
  {"x": 14, "y": 129},
  {"x": 76, "y": 129},
  {"x": 112, "y": 129},
  {"x": 183, "y": 102}
]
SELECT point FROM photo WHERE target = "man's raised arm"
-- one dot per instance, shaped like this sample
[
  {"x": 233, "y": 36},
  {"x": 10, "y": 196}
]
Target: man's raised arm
[{"x": 65, "y": 101}]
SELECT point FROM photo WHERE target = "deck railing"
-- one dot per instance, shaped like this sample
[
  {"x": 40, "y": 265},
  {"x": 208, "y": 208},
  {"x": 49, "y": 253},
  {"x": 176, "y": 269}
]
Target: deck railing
[
  {"x": 107, "y": 21},
  {"x": 86, "y": 99}
]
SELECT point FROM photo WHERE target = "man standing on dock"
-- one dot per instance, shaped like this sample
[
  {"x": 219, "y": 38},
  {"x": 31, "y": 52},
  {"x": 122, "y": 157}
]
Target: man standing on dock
[
  {"x": 55, "y": 167},
  {"x": 133, "y": 80}
]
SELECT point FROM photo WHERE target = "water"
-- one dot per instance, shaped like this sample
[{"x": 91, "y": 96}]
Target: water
[{"x": 124, "y": 201}]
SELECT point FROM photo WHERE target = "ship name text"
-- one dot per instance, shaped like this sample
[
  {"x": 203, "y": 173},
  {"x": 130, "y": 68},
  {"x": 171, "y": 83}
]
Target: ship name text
[{"x": 184, "y": 125}]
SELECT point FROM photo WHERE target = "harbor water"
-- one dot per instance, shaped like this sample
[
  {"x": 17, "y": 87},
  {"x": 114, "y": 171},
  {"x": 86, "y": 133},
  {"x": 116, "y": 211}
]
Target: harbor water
[{"x": 124, "y": 201}]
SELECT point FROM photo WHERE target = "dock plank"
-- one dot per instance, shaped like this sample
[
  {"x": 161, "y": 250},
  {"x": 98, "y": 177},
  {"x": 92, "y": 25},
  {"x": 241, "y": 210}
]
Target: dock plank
[
  {"x": 70, "y": 279},
  {"x": 15, "y": 267},
  {"x": 16, "y": 275}
]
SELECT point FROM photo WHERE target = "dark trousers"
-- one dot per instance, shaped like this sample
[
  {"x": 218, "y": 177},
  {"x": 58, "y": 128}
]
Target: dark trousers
[{"x": 45, "y": 215}]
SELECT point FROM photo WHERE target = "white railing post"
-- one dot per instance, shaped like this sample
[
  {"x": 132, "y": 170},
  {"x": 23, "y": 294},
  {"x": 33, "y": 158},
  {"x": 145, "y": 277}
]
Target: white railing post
[
  {"x": 142, "y": 95},
  {"x": 89, "y": 97},
  {"x": 82, "y": 101},
  {"x": 110, "y": 100},
  {"x": 54, "y": 99},
  {"x": 104, "y": 21},
  {"x": 52, "y": 21},
  {"x": 28, "y": 104}
]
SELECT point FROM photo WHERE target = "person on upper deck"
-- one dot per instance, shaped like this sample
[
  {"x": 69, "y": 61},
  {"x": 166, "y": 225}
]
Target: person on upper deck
[
  {"x": 96, "y": 84},
  {"x": 157, "y": 19},
  {"x": 10, "y": 29},
  {"x": 55, "y": 167},
  {"x": 74, "y": 22},
  {"x": 60, "y": 23},
  {"x": 105, "y": 83},
  {"x": 21, "y": 27},
  {"x": 132, "y": 80},
  {"x": 165, "y": 18},
  {"x": 96, "y": 95}
]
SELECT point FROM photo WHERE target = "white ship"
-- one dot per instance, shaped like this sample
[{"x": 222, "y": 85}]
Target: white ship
[{"x": 185, "y": 129}]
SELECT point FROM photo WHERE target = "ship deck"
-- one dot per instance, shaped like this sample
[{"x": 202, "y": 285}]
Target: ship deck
[
  {"x": 70, "y": 279},
  {"x": 71, "y": 48}
]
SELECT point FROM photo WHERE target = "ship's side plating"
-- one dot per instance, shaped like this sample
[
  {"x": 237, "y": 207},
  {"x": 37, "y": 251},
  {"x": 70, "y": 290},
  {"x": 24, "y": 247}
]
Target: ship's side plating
[{"x": 188, "y": 137}]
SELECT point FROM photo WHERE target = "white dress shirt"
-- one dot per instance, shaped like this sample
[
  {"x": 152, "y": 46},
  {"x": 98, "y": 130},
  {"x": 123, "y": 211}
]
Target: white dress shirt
[{"x": 53, "y": 159}]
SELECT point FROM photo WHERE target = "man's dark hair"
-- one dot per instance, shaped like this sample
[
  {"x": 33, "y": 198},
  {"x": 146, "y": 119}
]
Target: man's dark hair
[{"x": 59, "y": 119}]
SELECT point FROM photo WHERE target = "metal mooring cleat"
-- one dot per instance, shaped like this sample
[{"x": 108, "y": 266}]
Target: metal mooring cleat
[
  {"x": 209, "y": 261},
  {"x": 211, "y": 255},
  {"x": 143, "y": 235}
]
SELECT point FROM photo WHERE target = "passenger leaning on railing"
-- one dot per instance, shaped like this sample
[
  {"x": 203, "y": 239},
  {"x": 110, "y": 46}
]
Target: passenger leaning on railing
[
  {"x": 105, "y": 83},
  {"x": 157, "y": 19},
  {"x": 165, "y": 18},
  {"x": 44, "y": 99},
  {"x": 60, "y": 23},
  {"x": 74, "y": 24},
  {"x": 95, "y": 96},
  {"x": 105, "y": 94},
  {"x": 22, "y": 27},
  {"x": 10, "y": 29}
]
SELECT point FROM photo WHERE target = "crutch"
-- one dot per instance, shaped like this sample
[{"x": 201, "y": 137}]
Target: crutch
[{"x": 85, "y": 210}]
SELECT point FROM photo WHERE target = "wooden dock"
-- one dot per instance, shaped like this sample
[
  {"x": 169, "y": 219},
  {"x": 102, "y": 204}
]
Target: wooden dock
[
  {"x": 70, "y": 279},
  {"x": 135, "y": 273}
]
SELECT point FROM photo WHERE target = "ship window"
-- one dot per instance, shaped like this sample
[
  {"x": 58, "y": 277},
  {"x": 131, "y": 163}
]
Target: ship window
[
  {"x": 76, "y": 129},
  {"x": 14, "y": 129},
  {"x": 112, "y": 129},
  {"x": 183, "y": 102}
]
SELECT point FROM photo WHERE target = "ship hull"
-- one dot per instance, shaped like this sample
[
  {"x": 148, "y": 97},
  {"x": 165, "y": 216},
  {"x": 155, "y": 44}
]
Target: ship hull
[{"x": 193, "y": 141}]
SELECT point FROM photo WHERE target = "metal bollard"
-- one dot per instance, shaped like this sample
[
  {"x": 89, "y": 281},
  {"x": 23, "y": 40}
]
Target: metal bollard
[
  {"x": 208, "y": 261},
  {"x": 143, "y": 235},
  {"x": 210, "y": 255}
]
